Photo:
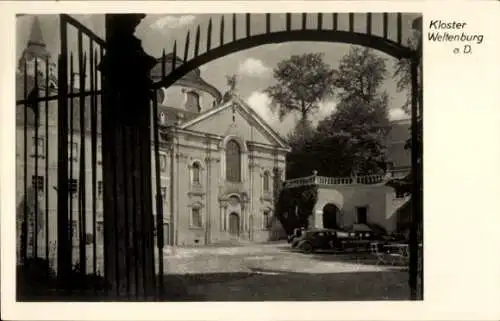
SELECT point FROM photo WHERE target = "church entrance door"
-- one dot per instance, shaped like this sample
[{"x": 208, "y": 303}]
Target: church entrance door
[{"x": 234, "y": 224}]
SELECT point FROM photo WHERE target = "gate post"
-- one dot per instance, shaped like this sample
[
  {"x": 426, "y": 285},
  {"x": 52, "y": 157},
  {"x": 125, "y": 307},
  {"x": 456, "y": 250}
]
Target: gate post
[{"x": 126, "y": 149}]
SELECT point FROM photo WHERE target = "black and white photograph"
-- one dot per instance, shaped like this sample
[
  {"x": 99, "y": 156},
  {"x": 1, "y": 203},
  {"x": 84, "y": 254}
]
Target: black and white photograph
[{"x": 219, "y": 157}]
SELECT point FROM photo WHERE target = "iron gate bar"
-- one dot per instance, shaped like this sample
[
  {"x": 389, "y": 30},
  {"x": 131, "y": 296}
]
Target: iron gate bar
[
  {"x": 67, "y": 19},
  {"x": 209, "y": 34},
  {"x": 93, "y": 144},
  {"x": 420, "y": 210},
  {"x": 386, "y": 24},
  {"x": 159, "y": 192},
  {"x": 369, "y": 23},
  {"x": 197, "y": 41},
  {"x": 34, "y": 106},
  {"x": 413, "y": 247},
  {"x": 268, "y": 25},
  {"x": 107, "y": 192},
  {"x": 71, "y": 132},
  {"x": 82, "y": 61},
  {"x": 56, "y": 97},
  {"x": 63, "y": 241},
  {"x": 47, "y": 160},
  {"x": 221, "y": 34},
  {"x": 24, "y": 226},
  {"x": 186, "y": 47}
]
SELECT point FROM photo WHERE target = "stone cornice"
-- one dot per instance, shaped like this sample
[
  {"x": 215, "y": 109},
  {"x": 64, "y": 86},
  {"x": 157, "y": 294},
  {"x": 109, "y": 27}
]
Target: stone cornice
[{"x": 255, "y": 145}]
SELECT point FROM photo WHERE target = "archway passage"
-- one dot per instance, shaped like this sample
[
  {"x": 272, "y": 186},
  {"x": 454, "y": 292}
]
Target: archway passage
[
  {"x": 330, "y": 215},
  {"x": 234, "y": 224},
  {"x": 375, "y": 35}
]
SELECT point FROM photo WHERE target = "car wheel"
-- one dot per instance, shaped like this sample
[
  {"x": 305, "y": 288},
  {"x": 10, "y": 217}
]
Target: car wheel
[{"x": 307, "y": 247}]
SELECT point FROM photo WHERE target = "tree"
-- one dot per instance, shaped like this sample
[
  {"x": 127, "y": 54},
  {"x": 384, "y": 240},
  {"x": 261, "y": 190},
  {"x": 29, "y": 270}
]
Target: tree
[
  {"x": 352, "y": 140},
  {"x": 302, "y": 82},
  {"x": 403, "y": 72},
  {"x": 360, "y": 75},
  {"x": 403, "y": 76},
  {"x": 300, "y": 141}
]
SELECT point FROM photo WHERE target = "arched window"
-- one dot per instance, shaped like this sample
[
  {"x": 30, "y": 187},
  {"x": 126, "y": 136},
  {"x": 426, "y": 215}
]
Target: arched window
[
  {"x": 233, "y": 161},
  {"x": 196, "y": 220},
  {"x": 196, "y": 173},
  {"x": 266, "y": 182}
]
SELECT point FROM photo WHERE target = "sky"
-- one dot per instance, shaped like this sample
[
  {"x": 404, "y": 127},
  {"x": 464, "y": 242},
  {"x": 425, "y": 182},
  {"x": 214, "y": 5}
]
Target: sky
[{"x": 253, "y": 66}]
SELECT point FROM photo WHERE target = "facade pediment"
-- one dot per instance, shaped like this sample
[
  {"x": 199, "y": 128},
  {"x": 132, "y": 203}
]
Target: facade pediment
[{"x": 235, "y": 118}]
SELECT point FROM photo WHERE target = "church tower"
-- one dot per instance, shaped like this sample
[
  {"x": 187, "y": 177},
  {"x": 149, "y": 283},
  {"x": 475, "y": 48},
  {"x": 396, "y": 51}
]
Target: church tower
[{"x": 36, "y": 49}]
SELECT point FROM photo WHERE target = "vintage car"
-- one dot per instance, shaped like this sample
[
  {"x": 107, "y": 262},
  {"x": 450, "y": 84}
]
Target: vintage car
[
  {"x": 317, "y": 239},
  {"x": 335, "y": 239}
]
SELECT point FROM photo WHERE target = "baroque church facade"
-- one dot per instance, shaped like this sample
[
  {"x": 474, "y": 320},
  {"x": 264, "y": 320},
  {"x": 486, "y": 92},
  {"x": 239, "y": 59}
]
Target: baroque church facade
[{"x": 220, "y": 170}]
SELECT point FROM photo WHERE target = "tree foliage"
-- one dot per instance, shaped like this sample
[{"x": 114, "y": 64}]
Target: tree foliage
[
  {"x": 402, "y": 72},
  {"x": 352, "y": 139},
  {"x": 294, "y": 206},
  {"x": 360, "y": 75},
  {"x": 302, "y": 82}
]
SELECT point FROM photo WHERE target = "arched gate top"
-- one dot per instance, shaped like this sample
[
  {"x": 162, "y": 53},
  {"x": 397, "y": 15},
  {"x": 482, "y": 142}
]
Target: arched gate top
[{"x": 386, "y": 32}]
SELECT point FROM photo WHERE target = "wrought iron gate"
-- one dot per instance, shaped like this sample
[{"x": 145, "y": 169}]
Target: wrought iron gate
[{"x": 59, "y": 216}]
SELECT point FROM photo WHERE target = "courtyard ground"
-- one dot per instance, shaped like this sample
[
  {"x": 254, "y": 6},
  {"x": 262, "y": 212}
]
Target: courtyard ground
[
  {"x": 257, "y": 272},
  {"x": 274, "y": 272}
]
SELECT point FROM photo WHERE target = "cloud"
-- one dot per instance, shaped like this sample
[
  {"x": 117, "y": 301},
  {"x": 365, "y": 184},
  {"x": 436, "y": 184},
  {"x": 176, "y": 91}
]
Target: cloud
[
  {"x": 254, "y": 68},
  {"x": 261, "y": 103},
  {"x": 172, "y": 22},
  {"x": 397, "y": 114}
]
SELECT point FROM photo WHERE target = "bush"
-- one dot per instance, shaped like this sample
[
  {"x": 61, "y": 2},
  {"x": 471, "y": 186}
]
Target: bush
[{"x": 295, "y": 205}]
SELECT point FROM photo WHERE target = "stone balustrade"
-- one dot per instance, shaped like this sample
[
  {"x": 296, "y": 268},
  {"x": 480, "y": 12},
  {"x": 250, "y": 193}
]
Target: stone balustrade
[{"x": 328, "y": 181}]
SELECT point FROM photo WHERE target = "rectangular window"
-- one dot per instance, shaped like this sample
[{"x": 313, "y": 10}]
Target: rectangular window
[
  {"x": 99, "y": 231},
  {"x": 38, "y": 147},
  {"x": 164, "y": 193},
  {"x": 72, "y": 186},
  {"x": 99, "y": 154},
  {"x": 266, "y": 182},
  {"x": 362, "y": 215},
  {"x": 37, "y": 182},
  {"x": 163, "y": 163},
  {"x": 166, "y": 233},
  {"x": 196, "y": 217},
  {"x": 73, "y": 150},
  {"x": 74, "y": 231},
  {"x": 100, "y": 190}
]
